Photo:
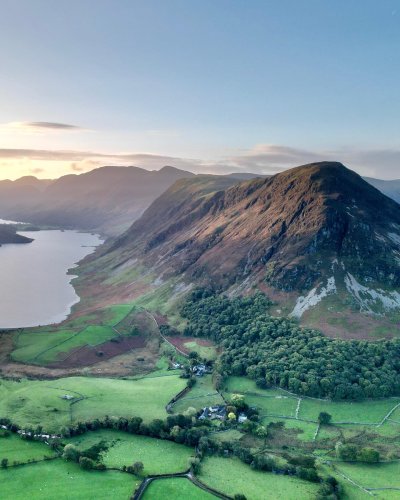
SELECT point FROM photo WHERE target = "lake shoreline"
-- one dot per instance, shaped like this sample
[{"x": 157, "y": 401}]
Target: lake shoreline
[{"x": 37, "y": 280}]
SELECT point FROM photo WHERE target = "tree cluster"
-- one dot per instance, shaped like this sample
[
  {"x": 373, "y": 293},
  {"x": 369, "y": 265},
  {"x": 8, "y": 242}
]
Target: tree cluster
[
  {"x": 353, "y": 453},
  {"x": 277, "y": 352},
  {"x": 182, "y": 429},
  {"x": 302, "y": 467}
]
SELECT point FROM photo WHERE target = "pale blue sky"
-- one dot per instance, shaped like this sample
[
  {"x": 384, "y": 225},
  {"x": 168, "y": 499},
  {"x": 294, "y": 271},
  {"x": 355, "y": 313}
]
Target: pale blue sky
[{"x": 256, "y": 85}]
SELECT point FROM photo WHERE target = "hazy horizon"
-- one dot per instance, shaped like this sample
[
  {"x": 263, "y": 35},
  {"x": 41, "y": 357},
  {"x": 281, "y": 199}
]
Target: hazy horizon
[{"x": 189, "y": 168}]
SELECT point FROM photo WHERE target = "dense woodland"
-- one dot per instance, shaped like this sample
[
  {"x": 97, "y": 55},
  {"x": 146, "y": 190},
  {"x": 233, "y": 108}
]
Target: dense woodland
[{"x": 277, "y": 352}]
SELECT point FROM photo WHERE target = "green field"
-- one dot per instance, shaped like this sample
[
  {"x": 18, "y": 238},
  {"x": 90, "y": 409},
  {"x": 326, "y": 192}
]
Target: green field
[
  {"x": 305, "y": 430},
  {"x": 369, "y": 411},
  {"x": 39, "y": 402},
  {"x": 44, "y": 346},
  {"x": 276, "y": 402},
  {"x": 373, "y": 475},
  {"x": 20, "y": 450},
  {"x": 57, "y": 479},
  {"x": 206, "y": 352},
  {"x": 202, "y": 394},
  {"x": 230, "y": 476},
  {"x": 158, "y": 456},
  {"x": 165, "y": 299},
  {"x": 175, "y": 489}
]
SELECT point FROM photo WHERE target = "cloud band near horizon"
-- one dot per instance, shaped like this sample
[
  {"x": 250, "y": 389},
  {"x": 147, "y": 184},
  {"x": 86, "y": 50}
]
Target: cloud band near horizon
[{"x": 261, "y": 159}]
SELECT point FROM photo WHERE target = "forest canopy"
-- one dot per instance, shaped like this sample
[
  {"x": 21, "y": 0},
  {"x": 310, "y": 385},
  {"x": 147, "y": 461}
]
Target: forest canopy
[{"x": 277, "y": 352}]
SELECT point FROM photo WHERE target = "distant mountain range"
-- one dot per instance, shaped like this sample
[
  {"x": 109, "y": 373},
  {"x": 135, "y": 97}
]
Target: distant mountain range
[
  {"x": 390, "y": 188},
  {"x": 107, "y": 199},
  {"x": 316, "y": 237}
]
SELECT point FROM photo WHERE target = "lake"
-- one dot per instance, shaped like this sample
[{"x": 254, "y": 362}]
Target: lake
[{"x": 35, "y": 287}]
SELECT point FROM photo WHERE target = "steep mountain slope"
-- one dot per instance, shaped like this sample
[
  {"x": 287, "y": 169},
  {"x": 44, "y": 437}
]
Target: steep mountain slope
[
  {"x": 314, "y": 232},
  {"x": 106, "y": 199}
]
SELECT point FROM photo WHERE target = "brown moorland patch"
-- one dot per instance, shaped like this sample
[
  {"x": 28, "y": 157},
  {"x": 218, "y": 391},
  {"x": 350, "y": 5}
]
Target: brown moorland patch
[
  {"x": 180, "y": 341},
  {"x": 89, "y": 355}
]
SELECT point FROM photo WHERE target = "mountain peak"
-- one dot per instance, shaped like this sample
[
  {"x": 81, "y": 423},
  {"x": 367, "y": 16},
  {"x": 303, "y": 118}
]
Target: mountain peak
[{"x": 315, "y": 228}]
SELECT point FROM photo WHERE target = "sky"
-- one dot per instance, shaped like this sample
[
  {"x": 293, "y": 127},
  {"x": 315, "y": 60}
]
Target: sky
[{"x": 207, "y": 85}]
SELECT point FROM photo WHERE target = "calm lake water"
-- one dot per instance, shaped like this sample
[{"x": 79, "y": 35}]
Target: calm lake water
[{"x": 34, "y": 286}]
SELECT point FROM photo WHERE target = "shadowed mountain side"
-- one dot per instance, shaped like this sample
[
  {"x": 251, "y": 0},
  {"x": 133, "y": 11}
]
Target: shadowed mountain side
[
  {"x": 8, "y": 234},
  {"x": 283, "y": 222}
]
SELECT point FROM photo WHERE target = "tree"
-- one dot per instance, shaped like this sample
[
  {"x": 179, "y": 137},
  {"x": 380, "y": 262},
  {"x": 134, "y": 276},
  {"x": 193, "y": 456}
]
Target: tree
[
  {"x": 347, "y": 452},
  {"x": 190, "y": 412},
  {"x": 231, "y": 416},
  {"x": 238, "y": 401},
  {"x": 138, "y": 468},
  {"x": 86, "y": 463},
  {"x": 167, "y": 350},
  {"x": 369, "y": 455},
  {"x": 194, "y": 464},
  {"x": 261, "y": 432},
  {"x": 239, "y": 496},
  {"x": 174, "y": 432},
  {"x": 191, "y": 382},
  {"x": 4, "y": 463},
  {"x": 324, "y": 418},
  {"x": 71, "y": 453}
]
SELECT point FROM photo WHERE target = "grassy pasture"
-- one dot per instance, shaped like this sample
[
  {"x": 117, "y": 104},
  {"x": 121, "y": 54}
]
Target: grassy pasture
[
  {"x": 278, "y": 402},
  {"x": 57, "y": 479},
  {"x": 368, "y": 411},
  {"x": 175, "y": 488},
  {"x": 230, "y": 476},
  {"x": 206, "y": 352},
  {"x": 20, "y": 450},
  {"x": 158, "y": 456},
  {"x": 166, "y": 299},
  {"x": 31, "y": 346},
  {"x": 202, "y": 394},
  {"x": 39, "y": 402},
  {"x": 229, "y": 435},
  {"x": 305, "y": 430},
  {"x": 373, "y": 475},
  {"x": 275, "y": 405},
  {"x": 44, "y": 346}
]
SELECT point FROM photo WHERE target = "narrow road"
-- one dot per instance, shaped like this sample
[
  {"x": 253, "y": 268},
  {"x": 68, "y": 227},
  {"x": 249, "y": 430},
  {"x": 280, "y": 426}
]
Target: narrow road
[
  {"x": 185, "y": 475},
  {"x": 161, "y": 335},
  {"x": 388, "y": 415}
]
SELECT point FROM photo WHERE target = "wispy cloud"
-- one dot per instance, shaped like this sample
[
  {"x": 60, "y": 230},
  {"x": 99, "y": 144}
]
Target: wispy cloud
[
  {"x": 39, "y": 126},
  {"x": 261, "y": 159},
  {"x": 267, "y": 158}
]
